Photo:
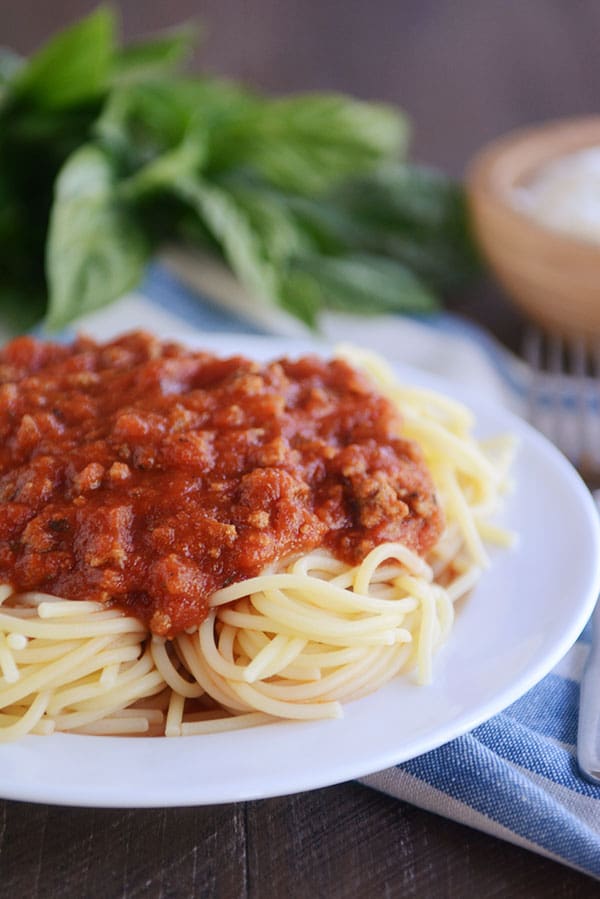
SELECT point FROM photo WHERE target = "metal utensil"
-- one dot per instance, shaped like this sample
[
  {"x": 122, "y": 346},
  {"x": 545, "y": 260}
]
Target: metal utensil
[
  {"x": 588, "y": 730},
  {"x": 564, "y": 403}
]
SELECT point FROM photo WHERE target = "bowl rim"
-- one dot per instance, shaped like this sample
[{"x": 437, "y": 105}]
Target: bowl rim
[{"x": 487, "y": 181}]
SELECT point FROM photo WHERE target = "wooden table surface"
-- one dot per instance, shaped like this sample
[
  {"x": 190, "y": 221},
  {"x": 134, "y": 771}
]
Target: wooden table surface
[
  {"x": 465, "y": 71},
  {"x": 345, "y": 841}
]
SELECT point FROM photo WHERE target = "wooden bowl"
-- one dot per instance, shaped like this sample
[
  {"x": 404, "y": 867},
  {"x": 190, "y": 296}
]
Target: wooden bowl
[{"x": 553, "y": 277}]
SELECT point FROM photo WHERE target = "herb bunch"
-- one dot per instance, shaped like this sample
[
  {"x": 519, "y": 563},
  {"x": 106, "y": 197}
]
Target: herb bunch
[{"x": 107, "y": 152}]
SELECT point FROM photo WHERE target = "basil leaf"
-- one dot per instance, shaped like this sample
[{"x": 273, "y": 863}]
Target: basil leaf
[
  {"x": 22, "y": 238},
  {"x": 403, "y": 194},
  {"x": 73, "y": 67},
  {"x": 415, "y": 215},
  {"x": 300, "y": 294},
  {"x": 143, "y": 121},
  {"x": 304, "y": 197},
  {"x": 147, "y": 59},
  {"x": 96, "y": 249},
  {"x": 269, "y": 214},
  {"x": 21, "y": 307},
  {"x": 166, "y": 170},
  {"x": 309, "y": 143},
  {"x": 367, "y": 284},
  {"x": 332, "y": 229},
  {"x": 232, "y": 230}
]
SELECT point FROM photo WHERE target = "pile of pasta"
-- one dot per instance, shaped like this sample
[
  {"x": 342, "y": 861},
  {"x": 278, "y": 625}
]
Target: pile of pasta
[{"x": 294, "y": 643}]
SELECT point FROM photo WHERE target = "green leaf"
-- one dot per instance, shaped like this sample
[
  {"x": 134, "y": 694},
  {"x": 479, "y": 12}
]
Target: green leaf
[
  {"x": 309, "y": 143},
  {"x": 163, "y": 172},
  {"x": 417, "y": 216},
  {"x": 20, "y": 306},
  {"x": 22, "y": 236},
  {"x": 73, "y": 67},
  {"x": 241, "y": 233},
  {"x": 332, "y": 229},
  {"x": 367, "y": 284},
  {"x": 233, "y": 232},
  {"x": 300, "y": 295},
  {"x": 143, "y": 121},
  {"x": 305, "y": 197},
  {"x": 155, "y": 56},
  {"x": 96, "y": 249},
  {"x": 271, "y": 217},
  {"x": 406, "y": 194}
]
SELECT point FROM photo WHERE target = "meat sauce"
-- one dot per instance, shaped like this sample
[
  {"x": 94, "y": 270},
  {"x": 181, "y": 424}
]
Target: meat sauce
[{"x": 146, "y": 476}]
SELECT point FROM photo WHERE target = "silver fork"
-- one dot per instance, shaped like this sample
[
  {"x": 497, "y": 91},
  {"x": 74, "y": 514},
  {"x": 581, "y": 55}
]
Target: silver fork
[
  {"x": 564, "y": 403},
  {"x": 564, "y": 399}
]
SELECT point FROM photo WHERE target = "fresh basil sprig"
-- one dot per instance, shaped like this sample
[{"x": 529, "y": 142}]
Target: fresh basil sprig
[
  {"x": 107, "y": 152},
  {"x": 96, "y": 247}
]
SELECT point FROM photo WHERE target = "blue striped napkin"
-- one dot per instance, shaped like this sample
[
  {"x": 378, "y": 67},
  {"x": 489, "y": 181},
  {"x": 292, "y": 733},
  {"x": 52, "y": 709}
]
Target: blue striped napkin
[{"x": 515, "y": 776}]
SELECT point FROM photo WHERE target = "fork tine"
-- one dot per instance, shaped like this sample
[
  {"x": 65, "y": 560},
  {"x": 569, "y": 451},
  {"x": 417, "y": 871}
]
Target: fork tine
[
  {"x": 532, "y": 352},
  {"x": 590, "y": 467},
  {"x": 583, "y": 437},
  {"x": 563, "y": 399},
  {"x": 545, "y": 390},
  {"x": 556, "y": 395}
]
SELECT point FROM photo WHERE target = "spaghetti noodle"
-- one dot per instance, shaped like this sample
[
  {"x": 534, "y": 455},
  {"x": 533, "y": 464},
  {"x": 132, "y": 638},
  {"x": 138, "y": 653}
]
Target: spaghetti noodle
[{"x": 295, "y": 641}]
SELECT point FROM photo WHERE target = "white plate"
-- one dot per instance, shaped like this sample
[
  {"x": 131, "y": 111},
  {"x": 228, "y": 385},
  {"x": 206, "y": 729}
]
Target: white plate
[{"x": 525, "y": 614}]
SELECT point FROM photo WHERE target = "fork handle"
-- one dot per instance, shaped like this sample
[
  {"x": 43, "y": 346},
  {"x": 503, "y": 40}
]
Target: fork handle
[{"x": 588, "y": 735}]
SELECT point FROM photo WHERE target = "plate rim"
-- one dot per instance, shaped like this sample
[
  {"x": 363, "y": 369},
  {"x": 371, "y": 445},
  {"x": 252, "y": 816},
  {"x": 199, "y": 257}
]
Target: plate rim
[{"x": 103, "y": 795}]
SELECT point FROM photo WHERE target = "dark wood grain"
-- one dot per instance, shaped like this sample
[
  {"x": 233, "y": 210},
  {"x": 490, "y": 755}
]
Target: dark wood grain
[
  {"x": 345, "y": 842},
  {"x": 465, "y": 71},
  {"x": 351, "y": 841},
  {"x": 48, "y": 851}
]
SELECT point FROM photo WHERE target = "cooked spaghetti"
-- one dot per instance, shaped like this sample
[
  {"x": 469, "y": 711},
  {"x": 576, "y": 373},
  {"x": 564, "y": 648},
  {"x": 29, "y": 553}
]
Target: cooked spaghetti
[{"x": 192, "y": 544}]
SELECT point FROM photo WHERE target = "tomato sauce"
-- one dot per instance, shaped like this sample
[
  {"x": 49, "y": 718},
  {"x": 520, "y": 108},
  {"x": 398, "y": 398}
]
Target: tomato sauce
[{"x": 144, "y": 475}]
